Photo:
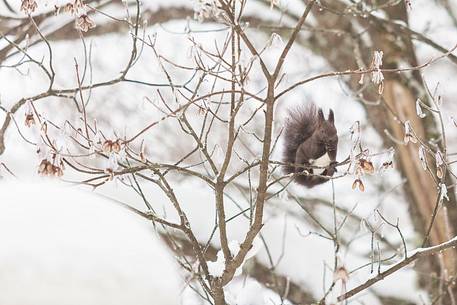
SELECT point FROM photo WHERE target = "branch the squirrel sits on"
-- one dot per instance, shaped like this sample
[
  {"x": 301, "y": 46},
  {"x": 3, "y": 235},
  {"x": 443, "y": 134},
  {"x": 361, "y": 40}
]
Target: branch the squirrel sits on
[{"x": 310, "y": 141}]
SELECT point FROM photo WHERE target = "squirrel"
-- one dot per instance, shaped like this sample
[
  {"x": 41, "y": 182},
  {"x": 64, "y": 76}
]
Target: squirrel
[{"x": 310, "y": 141}]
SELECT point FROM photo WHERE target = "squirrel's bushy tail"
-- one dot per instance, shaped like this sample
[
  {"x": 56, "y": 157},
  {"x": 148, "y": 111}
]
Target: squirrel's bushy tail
[{"x": 299, "y": 126}]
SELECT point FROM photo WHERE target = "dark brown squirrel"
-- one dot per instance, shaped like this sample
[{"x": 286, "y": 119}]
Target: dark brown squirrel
[{"x": 310, "y": 140}]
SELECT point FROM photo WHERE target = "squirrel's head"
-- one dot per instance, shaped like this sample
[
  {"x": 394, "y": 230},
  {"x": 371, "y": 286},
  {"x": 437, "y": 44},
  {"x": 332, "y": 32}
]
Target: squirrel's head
[{"x": 326, "y": 132}]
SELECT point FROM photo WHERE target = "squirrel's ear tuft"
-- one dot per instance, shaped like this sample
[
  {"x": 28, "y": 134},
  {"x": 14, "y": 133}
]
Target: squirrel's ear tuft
[
  {"x": 320, "y": 116},
  {"x": 331, "y": 117}
]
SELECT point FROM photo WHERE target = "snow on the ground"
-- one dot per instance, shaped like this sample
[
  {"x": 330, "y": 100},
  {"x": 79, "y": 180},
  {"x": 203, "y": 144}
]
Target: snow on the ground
[{"x": 61, "y": 245}]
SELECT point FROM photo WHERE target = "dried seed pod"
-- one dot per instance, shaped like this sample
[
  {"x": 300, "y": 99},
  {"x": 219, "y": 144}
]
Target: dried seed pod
[
  {"x": 49, "y": 168},
  {"x": 439, "y": 172},
  {"x": 439, "y": 158},
  {"x": 358, "y": 183},
  {"x": 59, "y": 172},
  {"x": 419, "y": 111},
  {"x": 29, "y": 120},
  {"x": 361, "y": 186},
  {"x": 354, "y": 184},
  {"x": 110, "y": 173},
  {"x": 44, "y": 128},
  {"x": 116, "y": 147},
  {"x": 142, "y": 152},
  {"x": 342, "y": 274},
  {"x": 381, "y": 87},
  {"x": 409, "y": 136},
  {"x": 69, "y": 8},
  {"x": 367, "y": 166},
  {"x": 386, "y": 165},
  {"x": 46, "y": 168},
  {"x": 84, "y": 23},
  {"x": 107, "y": 146},
  {"x": 28, "y": 6},
  {"x": 42, "y": 167},
  {"x": 389, "y": 161}
]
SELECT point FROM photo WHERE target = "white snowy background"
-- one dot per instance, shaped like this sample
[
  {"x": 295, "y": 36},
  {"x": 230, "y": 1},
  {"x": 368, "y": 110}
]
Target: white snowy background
[{"x": 122, "y": 110}]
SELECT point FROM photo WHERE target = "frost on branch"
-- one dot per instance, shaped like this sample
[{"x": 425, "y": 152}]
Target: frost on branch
[
  {"x": 275, "y": 41},
  {"x": 376, "y": 76},
  {"x": 206, "y": 9},
  {"x": 355, "y": 138},
  {"x": 419, "y": 111},
  {"x": 439, "y": 164},
  {"x": 423, "y": 157},
  {"x": 111, "y": 165},
  {"x": 217, "y": 268},
  {"x": 409, "y": 135},
  {"x": 452, "y": 119},
  {"x": 443, "y": 192}
]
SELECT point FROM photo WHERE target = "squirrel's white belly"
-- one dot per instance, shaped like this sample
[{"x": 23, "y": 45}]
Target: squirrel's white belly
[{"x": 323, "y": 161}]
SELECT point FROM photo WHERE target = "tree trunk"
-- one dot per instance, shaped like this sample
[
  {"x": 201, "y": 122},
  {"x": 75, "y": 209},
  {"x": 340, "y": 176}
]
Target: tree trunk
[{"x": 218, "y": 293}]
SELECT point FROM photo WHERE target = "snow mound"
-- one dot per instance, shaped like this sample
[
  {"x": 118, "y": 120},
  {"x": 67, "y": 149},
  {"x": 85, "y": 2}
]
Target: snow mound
[{"x": 62, "y": 246}]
